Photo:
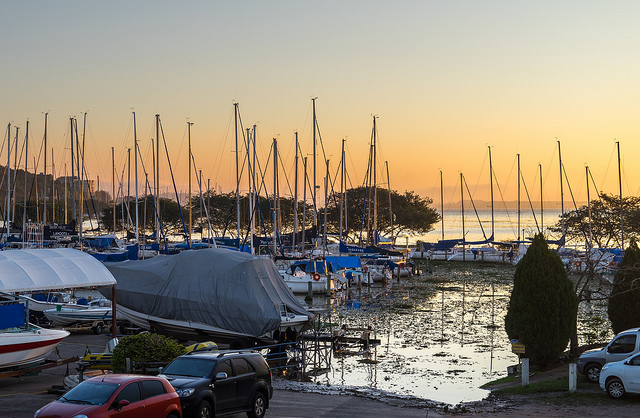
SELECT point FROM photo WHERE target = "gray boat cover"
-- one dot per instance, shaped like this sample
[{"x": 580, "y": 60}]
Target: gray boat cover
[{"x": 228, "y": 289}]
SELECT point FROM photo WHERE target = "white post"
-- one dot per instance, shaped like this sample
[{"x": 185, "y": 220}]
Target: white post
[
  {"x": 573, "y": 377},
  {"x": 525, "y": 372}
]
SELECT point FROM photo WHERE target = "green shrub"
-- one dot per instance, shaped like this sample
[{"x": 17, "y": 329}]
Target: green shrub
[
  {"x": 144, "y": 347},
  {"x": 543, "y": 305}
]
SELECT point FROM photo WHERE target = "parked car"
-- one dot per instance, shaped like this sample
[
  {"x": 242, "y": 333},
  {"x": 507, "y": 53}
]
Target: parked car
[
  {"x": 117, "y": 395},
  {"x": 623, "y": 345},
  {"x": 221, "y": 382},
  {"x": 621, "y": 377}
]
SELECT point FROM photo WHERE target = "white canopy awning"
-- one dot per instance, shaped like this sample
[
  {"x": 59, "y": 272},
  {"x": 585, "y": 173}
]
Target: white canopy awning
[{"x": 50, "y": 269}]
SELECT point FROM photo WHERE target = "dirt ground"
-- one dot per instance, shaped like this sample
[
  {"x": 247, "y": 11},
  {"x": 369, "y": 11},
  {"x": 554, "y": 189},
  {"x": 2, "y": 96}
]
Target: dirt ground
[{"x": 588, "y": 401}]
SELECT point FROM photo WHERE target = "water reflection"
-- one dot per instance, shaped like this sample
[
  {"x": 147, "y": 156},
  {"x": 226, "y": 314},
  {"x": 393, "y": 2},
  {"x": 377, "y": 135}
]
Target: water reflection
[{"x": 441, "y": 336}]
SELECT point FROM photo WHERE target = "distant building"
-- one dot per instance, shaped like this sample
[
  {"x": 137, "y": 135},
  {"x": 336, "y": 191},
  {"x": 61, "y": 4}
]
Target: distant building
[{"x": 89, "y": 185}]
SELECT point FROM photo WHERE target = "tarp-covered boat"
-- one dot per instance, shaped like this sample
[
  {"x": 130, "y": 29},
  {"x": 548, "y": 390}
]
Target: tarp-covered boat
[{"x": 209, "y": 293}]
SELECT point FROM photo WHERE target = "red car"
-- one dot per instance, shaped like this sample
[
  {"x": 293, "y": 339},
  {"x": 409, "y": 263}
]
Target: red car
[{"x": 117, "y": 395}]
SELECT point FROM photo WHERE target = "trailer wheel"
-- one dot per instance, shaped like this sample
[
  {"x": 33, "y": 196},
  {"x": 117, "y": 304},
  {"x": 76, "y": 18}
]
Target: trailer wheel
[{"x": 98, "y": 328}]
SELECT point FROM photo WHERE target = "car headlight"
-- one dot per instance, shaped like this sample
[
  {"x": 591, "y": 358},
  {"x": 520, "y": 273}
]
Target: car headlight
[
  {"x": 36, "y": 413},
  {"x": 185, "y": 393},
  {"x": 80, "y": 416}
]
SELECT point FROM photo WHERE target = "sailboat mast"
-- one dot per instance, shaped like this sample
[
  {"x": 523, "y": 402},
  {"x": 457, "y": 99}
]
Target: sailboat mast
[
  {"x": 235, "y": 113},
  {"x": 7, "y": 211},
  {"x": 135, "y": 164},
  {"x": 326, "y": 199},
  {"x": 441, "y": 205},
  {"x": 462, "y": 212},
  {"x": 541, "y": 201},
  {"x": 621, "y": 206},
  {"x": 157, "y": 179},
  {"x": 491, "y": 184},
  {"x": 561, "y": 191},
  {"x": 304, "y": 204},
  {"x": 8, "y": 171},
  {"x": 519, "y": 178},
  {"x": 44, "y": 195},
  {"x": 386, "y": 163},
  {"x": 249, "y": 178},
  {"x": 15, "y": 177},
  {"x": 73, "y": 181},
  {"x": 113, "y": 188},
  {"x": 53, "y": 187},
  {"x": 189, "y": 192},
  {"x": 341, "y": 189},
  {"x": 588, "y": 244},
  {"x": 26, "y": 168},
  {"x": 135, "y": 169},
  {"x": 314, "y": 191},
  {"x": 81, "y": 168},
  {"x": 295, "y": 200},
  {"x": 253, "y": 186},
  {"x": 375, "y": 184},
  {"x": 275, "y": 195}
]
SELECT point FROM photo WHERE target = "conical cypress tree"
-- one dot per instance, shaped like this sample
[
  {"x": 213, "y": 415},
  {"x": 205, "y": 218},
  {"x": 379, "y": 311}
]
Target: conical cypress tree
[
  {"x": 624, "y": 300},
  {"x": 543, "y": 306}
]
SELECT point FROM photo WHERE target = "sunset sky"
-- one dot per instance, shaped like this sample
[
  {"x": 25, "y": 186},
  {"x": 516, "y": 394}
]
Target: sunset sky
[{"x": 446, "y": 80}]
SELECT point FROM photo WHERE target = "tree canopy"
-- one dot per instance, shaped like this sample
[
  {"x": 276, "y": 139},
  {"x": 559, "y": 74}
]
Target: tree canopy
[
  {"x": 605, "y": 222},
  {"x": 543, "y": 305},
  {"x": 624, "y": 301}
]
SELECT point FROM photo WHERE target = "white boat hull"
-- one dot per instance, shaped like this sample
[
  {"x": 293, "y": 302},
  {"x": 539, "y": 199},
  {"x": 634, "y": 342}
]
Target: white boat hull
[
  {"x": 22, "y": 347},
  {"x": 70, "y": 316}
]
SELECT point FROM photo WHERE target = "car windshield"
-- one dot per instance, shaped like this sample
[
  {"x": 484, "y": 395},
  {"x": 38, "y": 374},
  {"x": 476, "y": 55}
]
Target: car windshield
[
  {"x": 92, "y": 393},
  {"x": 189, "y": 366}
]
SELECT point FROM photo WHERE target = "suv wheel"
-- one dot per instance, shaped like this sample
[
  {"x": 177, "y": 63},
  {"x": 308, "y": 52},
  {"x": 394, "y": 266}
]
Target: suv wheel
[
  {"x": 204, "y": 410},
  {"x": 615, "y": 388},
  {"x": 258, "y": 406},
  {"x": 592, "y": 371}
]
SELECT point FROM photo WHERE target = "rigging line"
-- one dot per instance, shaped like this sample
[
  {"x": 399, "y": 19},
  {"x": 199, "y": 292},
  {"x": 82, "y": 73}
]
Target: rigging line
[
  {"x": 474, "y": 209},
  {"x": 611, "y": 157},
  {"x": 575, "y": 206},
  {"x": 594, "y": 184},
  {"x": 324, "y": 154},
  {"x": 221, "y": 153},
  {"x": 513, "y": 167},
  {"x": 204, "y": 205},
  {"x": 153, "y": 201},
  {"x": 184, "y": 226},
  {"x": 506, "y": 211},
  {"x": 286, "y": 177},
  {"x": 99, "y": 160},
  {"x": 549, "y": 166},
  {"x": 484, "y": 161},
  {"x": 533, "y": 212}
]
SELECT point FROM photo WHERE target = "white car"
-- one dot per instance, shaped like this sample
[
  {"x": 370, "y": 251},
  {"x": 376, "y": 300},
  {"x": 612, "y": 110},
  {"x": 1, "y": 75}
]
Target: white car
[{"x": 620, "y": 377}]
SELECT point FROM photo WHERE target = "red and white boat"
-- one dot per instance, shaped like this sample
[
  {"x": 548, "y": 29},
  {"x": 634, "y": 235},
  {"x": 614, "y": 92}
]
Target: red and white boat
[{"x": 26, "y": 345}]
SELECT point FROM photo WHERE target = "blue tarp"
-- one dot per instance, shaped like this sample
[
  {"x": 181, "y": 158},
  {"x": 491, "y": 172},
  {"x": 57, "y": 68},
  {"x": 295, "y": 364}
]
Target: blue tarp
[
  {"x": 354, "y": 249},
  {"x": 130, "y": 254},
  {"x": 12, "y": 315},
  {"x": 345, "y": 262}
]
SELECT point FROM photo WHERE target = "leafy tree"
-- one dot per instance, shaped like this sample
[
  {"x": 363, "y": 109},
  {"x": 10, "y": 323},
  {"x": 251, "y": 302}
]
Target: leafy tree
[
  {"x": 169, "y": 213},
  {"x": 543, "y": 306},
  {"x": 624, "y": 301},
  {"x": 412, "y": 214},
  {"x": 144, "y": 347},
  {"x": 605, "y": 221}
]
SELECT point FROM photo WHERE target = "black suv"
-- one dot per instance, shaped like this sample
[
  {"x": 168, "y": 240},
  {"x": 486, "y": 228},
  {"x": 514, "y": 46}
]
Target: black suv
[{"x": 221, "y": 382}]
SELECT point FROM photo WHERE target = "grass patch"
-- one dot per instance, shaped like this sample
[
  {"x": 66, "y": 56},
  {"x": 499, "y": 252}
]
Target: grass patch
[
  {"x": 506, "y": 379},
  {"x": 553, "y": 385}
]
